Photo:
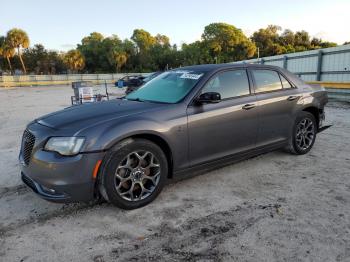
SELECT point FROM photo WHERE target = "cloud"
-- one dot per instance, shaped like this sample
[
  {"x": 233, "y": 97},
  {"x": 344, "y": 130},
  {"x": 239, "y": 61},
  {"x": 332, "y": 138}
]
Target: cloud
[
  {"x": 322, "y": 35},
  {"x": 248, "y": 32},
  {"x": 67, "y": 46}
]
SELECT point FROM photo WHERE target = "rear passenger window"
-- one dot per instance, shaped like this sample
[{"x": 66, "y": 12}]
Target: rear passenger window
[
  {"x": 285, "y": 82},
  {"x": 266, "y": 80},
  {"x": 229, "y": 84}
]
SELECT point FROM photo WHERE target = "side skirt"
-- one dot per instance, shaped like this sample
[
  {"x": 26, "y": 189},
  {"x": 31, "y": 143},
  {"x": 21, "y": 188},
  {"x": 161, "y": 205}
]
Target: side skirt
[{"x": 212, "y": 165}]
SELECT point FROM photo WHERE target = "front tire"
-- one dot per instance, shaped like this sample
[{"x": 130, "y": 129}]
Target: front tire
[
  {"x": 135, "y": 173},
  {"x": 303, "y": 135}
]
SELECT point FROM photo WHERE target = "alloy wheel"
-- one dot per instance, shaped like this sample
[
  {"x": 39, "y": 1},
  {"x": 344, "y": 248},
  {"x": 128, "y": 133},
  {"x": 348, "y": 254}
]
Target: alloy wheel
[
  {"x": 137, "y": 176},
  {"x": 305, "y": 134}
]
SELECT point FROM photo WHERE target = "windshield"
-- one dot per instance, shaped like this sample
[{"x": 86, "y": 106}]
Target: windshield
[{"x": 168, "y": 87}]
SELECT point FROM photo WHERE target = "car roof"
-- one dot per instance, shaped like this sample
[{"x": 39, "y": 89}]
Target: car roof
[{"x": 215, "y": 67}]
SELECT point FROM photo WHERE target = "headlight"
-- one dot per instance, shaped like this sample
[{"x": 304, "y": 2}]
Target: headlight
[{"x": 66, "y": 146}]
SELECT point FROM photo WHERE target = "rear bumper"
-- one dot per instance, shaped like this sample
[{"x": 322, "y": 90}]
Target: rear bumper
[
  {"x": 61, "y": 179},
  {"x": 323, "y": 128},
  {"x": 322, "y": 118},
  {"x": 321, "y": 124}
]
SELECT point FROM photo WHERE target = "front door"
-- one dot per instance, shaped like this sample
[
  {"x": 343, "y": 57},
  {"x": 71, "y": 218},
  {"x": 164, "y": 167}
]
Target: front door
[{"x": 224, "y": 128}]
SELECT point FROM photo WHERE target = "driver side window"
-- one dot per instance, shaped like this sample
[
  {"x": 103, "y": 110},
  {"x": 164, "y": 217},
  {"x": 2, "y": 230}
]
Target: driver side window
[{"x": 229, "y": 84}]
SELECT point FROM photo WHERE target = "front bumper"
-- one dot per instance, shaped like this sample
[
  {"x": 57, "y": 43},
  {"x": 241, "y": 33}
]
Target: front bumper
[
  {"x": 62, "y": 180},
  {"x": 58, "y": 178}
]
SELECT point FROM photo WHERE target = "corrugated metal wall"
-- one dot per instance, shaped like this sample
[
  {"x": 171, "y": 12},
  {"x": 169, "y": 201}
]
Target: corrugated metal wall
[{"x": 327, "y": 65}]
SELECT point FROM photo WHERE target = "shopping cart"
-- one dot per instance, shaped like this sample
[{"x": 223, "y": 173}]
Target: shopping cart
[{"x": 84, "y": 93}]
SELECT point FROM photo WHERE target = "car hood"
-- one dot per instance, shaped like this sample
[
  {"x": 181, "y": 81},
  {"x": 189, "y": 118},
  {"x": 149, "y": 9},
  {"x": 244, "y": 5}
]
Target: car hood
[{"x": 83, "y": 116}]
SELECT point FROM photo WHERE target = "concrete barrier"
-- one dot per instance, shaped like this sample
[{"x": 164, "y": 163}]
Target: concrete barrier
[
  {"x": 340, "y": 94},
  {"x": 337, "y": 91},
  {"x": 43, "y": 80},
  {"x": 331, "y": 85}
]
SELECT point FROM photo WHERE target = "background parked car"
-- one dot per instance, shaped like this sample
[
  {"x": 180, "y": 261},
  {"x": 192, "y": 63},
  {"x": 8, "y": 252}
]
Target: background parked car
[
  {"x": 144, "y": 80},
  {"x": 130, "y": 81}
]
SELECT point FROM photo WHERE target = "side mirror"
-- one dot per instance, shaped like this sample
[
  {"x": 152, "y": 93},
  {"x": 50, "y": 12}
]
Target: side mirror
[{"x": 209, "y": 98}]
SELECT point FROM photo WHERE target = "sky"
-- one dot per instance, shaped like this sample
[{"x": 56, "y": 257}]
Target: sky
[{"x": 61, "y": 24}]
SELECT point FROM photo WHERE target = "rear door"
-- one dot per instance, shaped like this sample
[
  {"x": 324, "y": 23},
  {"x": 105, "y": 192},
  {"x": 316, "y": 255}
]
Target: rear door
[
  {"x": 277, "y": 101},
  {"x": 225, "y": 128}
]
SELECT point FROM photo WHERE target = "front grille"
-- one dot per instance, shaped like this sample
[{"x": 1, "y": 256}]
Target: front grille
[{"x": 28, "y": 141}]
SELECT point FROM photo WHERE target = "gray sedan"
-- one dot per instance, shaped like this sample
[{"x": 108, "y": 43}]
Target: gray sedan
[{"x": 185, "y": 120}]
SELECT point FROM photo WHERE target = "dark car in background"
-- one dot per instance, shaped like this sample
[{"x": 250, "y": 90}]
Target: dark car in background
[
  {"x": 130, "y": 81},
  {"x": 188, "y": 119},
  {"x": 146, "y": 79}
]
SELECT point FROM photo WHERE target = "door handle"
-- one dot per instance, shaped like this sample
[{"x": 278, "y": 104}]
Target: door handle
[
  {"x": 291, "y": 98},
  {"x": 248, "y": 106}
]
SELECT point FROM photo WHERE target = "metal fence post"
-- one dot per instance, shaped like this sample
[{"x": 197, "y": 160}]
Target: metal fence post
[
  {"x": 285, "y": 62},
  {"x": 319, "y": 65}
]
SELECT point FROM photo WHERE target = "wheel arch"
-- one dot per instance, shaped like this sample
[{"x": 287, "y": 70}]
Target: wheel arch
[
  {"x": 314, "y": 111},
  {"x": 155, "y": 138},
  {"x": 162, "y": 143}
]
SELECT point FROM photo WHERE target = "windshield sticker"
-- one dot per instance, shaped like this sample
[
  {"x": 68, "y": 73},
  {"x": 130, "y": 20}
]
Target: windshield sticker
[
  {"x": 191, "y": 76},
  {"x": 181, "y": 72}
]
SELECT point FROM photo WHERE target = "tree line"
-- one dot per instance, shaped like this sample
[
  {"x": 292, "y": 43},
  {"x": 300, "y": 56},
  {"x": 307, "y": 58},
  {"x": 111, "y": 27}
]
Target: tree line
[{"x": 143, "y": 52}]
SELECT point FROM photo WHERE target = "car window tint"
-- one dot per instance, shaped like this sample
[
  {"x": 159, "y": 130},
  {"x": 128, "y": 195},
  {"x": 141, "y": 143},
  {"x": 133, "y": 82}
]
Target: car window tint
[
  {"x": 285, "y": 83},
  {"x": 266, "y": 80},
  {"x": 229, "y": 84}
]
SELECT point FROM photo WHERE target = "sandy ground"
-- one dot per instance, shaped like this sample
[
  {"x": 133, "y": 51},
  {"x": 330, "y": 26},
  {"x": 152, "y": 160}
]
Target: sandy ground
[{"x": 275, "y": 207}]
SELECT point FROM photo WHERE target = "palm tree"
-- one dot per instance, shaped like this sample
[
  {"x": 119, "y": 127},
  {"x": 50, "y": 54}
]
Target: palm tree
[
  {"x": 6, "y": 51},
  {"x": 17, "y": 38},
  {"x": 120, "y": 59},
  {"x": 74, "y": 60}
]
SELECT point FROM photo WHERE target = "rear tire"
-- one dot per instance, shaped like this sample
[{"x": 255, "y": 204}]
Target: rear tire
[
  {"x": 303, "y": 135},
  {"x": 135, "y": 173}
]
